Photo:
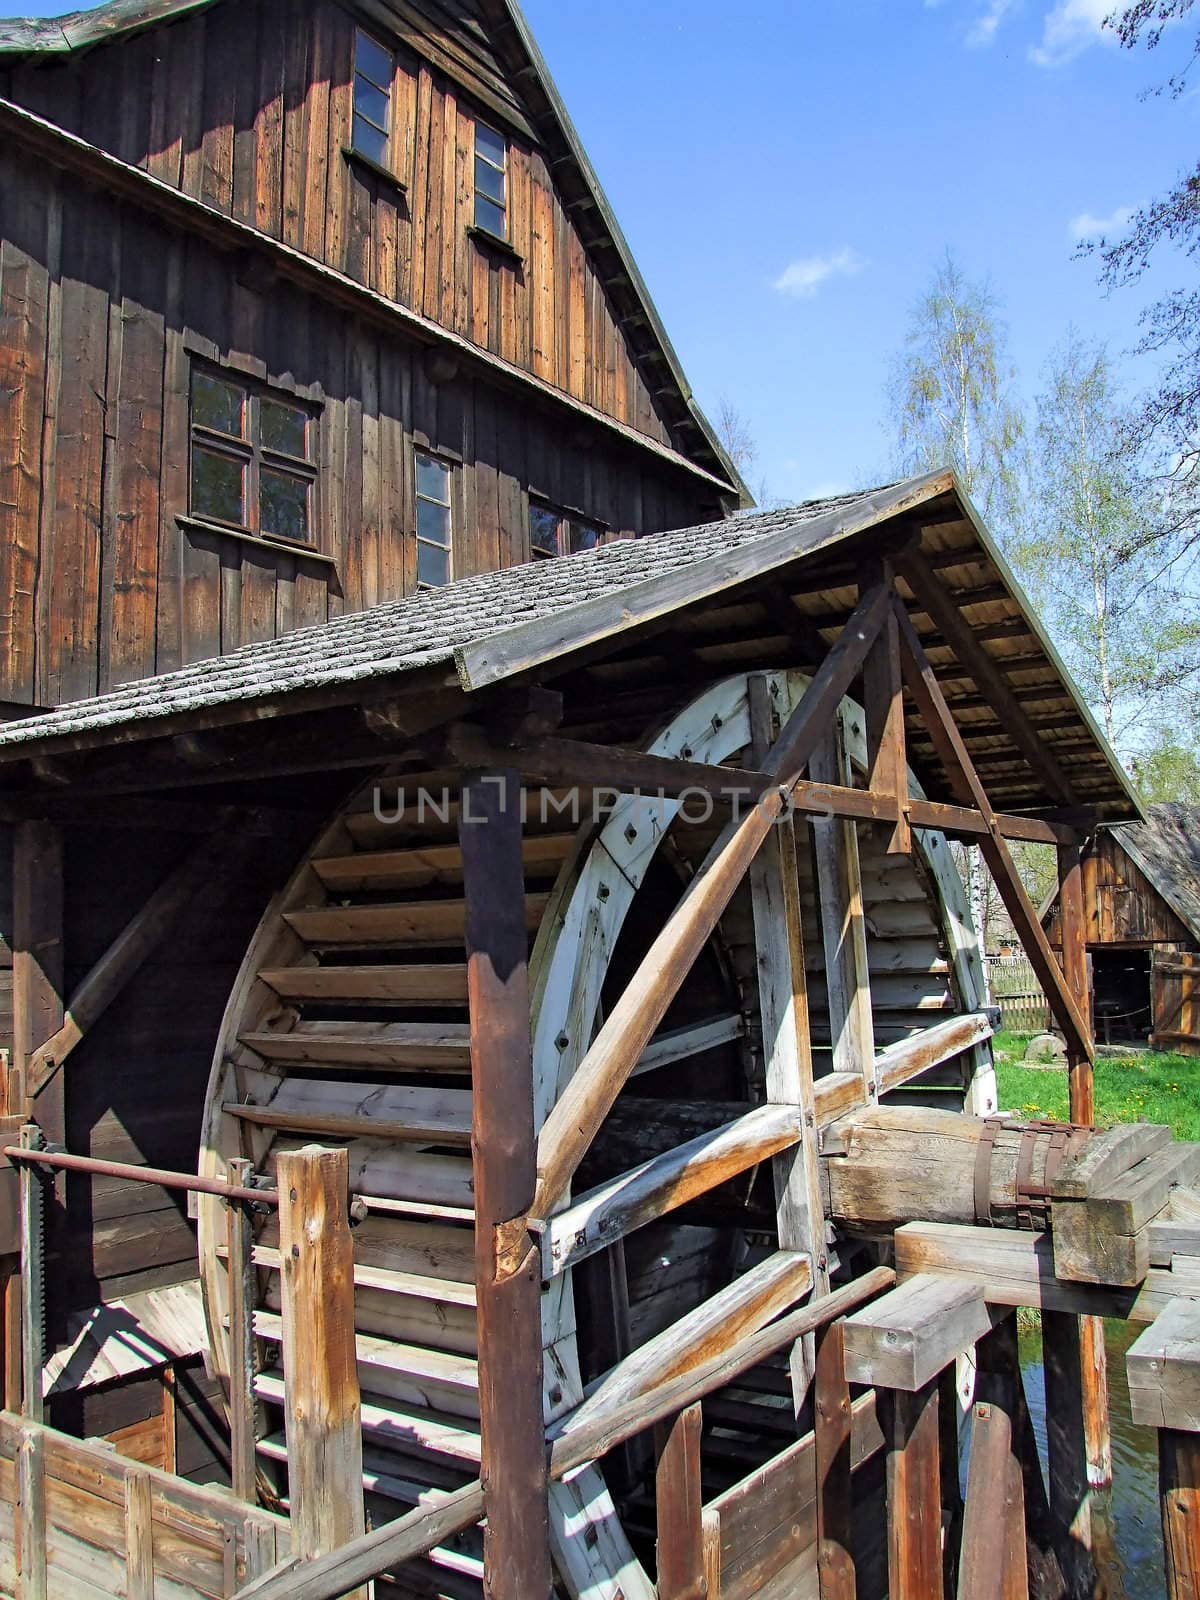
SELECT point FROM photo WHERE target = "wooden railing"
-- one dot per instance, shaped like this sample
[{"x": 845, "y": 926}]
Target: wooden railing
[{"x": 78, "y": 1522}]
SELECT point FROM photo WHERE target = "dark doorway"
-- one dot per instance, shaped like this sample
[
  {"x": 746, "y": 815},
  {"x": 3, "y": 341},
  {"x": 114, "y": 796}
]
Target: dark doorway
[{"x": 1121, "y": 995}]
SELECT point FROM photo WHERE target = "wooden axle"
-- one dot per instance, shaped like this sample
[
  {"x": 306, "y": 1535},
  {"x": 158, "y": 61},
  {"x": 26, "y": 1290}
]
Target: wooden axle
[{"x": 887, "y": 1165}]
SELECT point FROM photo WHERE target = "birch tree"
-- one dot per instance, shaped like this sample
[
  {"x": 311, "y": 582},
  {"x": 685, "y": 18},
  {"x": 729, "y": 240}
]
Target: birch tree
[
  {"x": 951, "y": 399},
  {"x": 1110, "y": 592}
]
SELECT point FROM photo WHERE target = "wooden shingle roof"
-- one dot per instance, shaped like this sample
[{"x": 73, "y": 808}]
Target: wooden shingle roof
[{"x": 751, "y": 592}]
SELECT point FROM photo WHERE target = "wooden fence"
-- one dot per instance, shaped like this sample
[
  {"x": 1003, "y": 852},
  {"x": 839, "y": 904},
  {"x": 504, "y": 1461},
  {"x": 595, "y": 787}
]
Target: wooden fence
[
  {"x": 80, "y": 1522},
  {"x": 1175, "y": 995},
  {"x": 1021, "y": 999}
]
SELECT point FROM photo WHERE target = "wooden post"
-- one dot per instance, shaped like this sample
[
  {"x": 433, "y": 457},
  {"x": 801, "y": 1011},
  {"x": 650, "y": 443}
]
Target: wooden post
[
  {"x": 1092, "y": 1353},
  {"x": 680, "y": 1511},
  {"x": 31, "y": 1515},
  {"x": 1070, "y": 1501},
  {"x": 786, "y": 1039},
  {"x": 139, "y": 1536},
  {"x": 883, "y": 700},
  {"x": 832, "y": 1426},
  {"x": 324, "y": 1428},
  {"x": 33, "y": 1278},
  {"x": 243, "y": 1408},
  {"x": 910, "y": 1427},
  {"x": 992, "y": 1565},
  {"x": 998, "y": 1373},
  {"x": 503, "y": 1149},
  {"x": 38, "y": 978},
  {"x": 843, "y": 928},
  {"x": 1179, "y": 1493}
]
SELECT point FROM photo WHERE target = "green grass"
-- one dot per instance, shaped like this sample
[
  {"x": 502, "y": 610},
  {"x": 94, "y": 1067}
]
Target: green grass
[{"x": 1136, "y": 1086}]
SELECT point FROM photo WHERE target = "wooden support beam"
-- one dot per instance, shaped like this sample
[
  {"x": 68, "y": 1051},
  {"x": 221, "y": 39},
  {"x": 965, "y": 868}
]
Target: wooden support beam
[
  {"x": 618, "y": 1207},
  {"x": 741, "y": 1308},
  {"x": 843, "y": 926},
  {"x": 132, "y": 947},
  {"x": 786, "y": 1037},
  {"x": 1163, "y": 1366},
  {"x": 964, "y": 781},
  {"x": 1070, "y": 1497},
  {"x": 324, "y": 1427},
  {"x": 998, "y": 1379},
  {"x": 507, "y": 1273},
  {"x": 883, "y": 701},
  {"x": 243, "y": 1407},
  {"x": 943, "y": 610},
  {"x": 574, "y": 1443},
  {"x": 1073, "y": 943},
  {"x": 358, "y": 1561},
  {"x": 575, "y": 1119},
  {"x": 680, "y": 1511},
  {"x": 832, "y": 1428},
  {"x": 905, "y": 1338},
  {"x": 992, "y": 1563},
  {"x": 914, "y": 1531},
  {"x": 1179, "y": 1498},
  {"x": 1017, "y": 1269},
  {"x": 31, "y": 1515}
]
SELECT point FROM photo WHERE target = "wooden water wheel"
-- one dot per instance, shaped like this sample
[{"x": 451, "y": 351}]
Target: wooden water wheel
[{"x": 348, "y": 1024}]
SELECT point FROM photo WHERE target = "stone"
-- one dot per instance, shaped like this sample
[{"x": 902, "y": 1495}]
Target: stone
[{"x": 1045, "y": 1050}]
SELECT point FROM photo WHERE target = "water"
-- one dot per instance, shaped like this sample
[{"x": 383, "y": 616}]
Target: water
[{"x": 1126, "y": 1531}]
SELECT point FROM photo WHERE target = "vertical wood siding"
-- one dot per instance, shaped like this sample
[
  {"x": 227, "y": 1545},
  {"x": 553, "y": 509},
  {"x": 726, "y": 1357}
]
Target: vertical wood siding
[
  {"x": 102, "y": 313},
  {"x": 248, "y": 108}
]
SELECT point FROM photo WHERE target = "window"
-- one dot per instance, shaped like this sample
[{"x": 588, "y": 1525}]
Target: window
[
  {"x": 559, "y": 533},
  {"x": 435, "y": 521},
  {"x": 372, "y": 98},
  {"x": 252, "y": 458},
  {"x": 491, "y": 179}
]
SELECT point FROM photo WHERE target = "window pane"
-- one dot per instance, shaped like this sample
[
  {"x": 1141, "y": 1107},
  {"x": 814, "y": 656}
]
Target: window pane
[
  {"x": 433, "y": 564},
  {"x": 489, "y": 180},
  {"x": 283, "y": 505},
  {"x": 373, "y": 61},
  {"x": 368, "y": 141},
  {"x": 217, "y": 405},
  {"x": 433, "y": 522},
  {"x": 216, "y": 485},
  {"x": 370, "y": 102},
  {"x": 543, "y": 530},
  {"x": 283, "y": 428},
  {"x": 489, "y": 143},
  {"x": 584, "y": 536},
  {"x": 433, "y": 479},
  {"x": 489, "y": 216}
]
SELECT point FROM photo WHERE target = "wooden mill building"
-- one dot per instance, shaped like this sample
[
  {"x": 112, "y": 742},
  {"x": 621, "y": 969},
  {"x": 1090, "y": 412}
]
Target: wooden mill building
[
  {"x": 1142, "y": 891},
  {"x": 498, "y": 1086}
]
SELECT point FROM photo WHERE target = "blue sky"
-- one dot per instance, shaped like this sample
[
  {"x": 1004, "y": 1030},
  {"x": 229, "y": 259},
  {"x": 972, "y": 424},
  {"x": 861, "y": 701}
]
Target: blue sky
[{"x": 789, "y": 173}]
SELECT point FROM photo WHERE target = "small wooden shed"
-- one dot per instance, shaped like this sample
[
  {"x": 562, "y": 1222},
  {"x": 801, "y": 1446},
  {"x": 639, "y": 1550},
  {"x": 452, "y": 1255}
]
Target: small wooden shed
[{"x": 1142, "y": 890}]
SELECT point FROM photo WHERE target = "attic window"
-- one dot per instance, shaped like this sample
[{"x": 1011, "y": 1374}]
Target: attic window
[
  {"x": 491, "y": 181},
  {"x": 559, "y": 533},
  {"x": 373, "y": 66},
  {"x": 253, "y": 458}
]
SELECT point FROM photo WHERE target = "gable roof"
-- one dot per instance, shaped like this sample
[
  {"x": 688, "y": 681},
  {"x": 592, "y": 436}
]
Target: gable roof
[
  {"x": 80, "y": 31},
  {"x": 1166, "y": 848},
  {"x": 545, "y": 619}
]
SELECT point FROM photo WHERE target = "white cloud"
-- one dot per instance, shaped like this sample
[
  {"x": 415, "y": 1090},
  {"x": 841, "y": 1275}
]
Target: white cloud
[
  {"x": 1087, "y": 226},
  {"x": 985, "y": 27},
  {"x": 804, "y": 277},
  {"x": 1070, "y": 27}
]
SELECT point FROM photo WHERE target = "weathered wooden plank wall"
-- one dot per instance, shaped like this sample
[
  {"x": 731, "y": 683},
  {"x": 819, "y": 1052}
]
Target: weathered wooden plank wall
[
  {"x": 101, "y": 314},
  {"x": 248, "y": 108}
]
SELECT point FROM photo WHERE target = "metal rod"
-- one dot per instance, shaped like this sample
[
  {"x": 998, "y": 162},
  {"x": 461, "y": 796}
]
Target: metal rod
[{"x": 156, "y": 1175}]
